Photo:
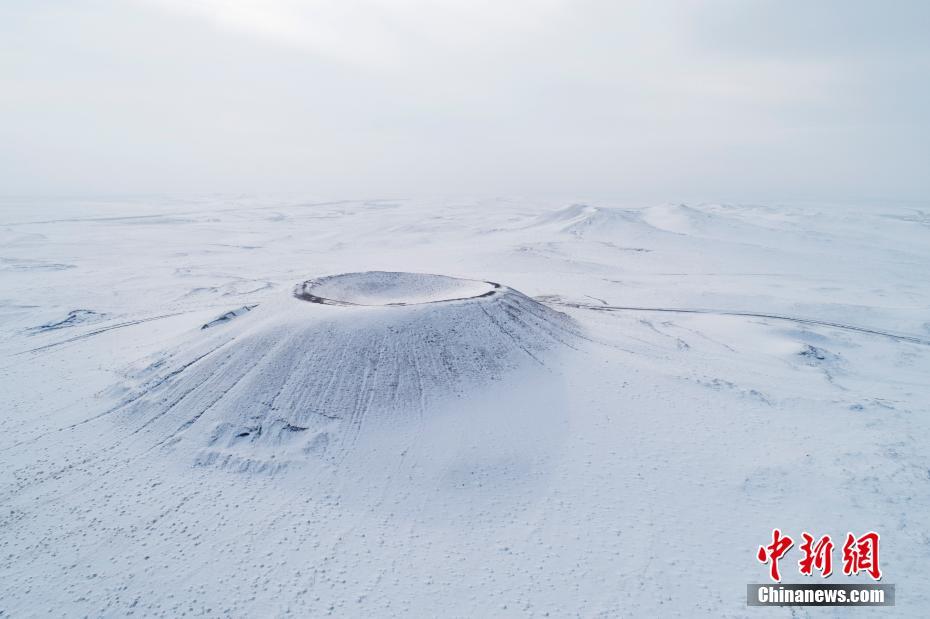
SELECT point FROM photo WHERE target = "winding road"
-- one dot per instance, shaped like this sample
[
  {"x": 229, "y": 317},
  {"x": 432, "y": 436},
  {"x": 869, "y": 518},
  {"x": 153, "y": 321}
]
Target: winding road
[{"x": 723, "y": 312}]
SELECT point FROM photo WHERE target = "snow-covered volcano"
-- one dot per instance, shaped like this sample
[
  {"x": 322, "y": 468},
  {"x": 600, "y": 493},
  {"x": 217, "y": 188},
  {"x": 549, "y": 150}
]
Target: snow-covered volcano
[{"x": 304, "y": 374}]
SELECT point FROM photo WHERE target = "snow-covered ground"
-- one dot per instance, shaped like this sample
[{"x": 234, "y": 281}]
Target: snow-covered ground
[{"x": 719, "y": 370}]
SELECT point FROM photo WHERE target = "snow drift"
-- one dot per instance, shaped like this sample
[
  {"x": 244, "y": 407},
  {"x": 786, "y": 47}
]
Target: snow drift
[{"x": 305, "y": 374}]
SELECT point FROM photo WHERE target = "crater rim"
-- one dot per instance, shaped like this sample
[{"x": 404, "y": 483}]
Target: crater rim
[{"x": 392, "y": 289}]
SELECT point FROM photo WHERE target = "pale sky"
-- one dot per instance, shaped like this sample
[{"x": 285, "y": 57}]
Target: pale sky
[{"x": 659, "y": 100}]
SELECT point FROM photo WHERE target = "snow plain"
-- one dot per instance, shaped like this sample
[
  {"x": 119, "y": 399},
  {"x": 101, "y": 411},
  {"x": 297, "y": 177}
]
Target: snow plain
[{"x": 695, "y": 376}]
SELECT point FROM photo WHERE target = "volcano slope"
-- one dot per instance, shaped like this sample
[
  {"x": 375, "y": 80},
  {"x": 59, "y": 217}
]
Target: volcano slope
[{"x": 304, "y": 375}]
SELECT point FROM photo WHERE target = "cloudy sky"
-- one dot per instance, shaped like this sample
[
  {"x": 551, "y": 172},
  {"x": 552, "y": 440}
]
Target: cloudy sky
[{"x": 713, "y": 100}]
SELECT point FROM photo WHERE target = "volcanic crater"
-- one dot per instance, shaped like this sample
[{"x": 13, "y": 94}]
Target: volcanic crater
[{"x": 374, "y": 288}]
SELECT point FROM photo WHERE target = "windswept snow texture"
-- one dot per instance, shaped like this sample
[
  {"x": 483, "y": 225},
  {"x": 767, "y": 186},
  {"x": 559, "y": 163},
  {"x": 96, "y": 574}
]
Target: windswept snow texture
[{"x": 248, "y": 407}]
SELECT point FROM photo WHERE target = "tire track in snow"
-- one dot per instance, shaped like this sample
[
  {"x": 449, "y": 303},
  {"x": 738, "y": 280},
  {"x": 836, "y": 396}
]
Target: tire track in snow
[
  {"x": 721, "y": 312},
  {"x": 83, "y": 336}
]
